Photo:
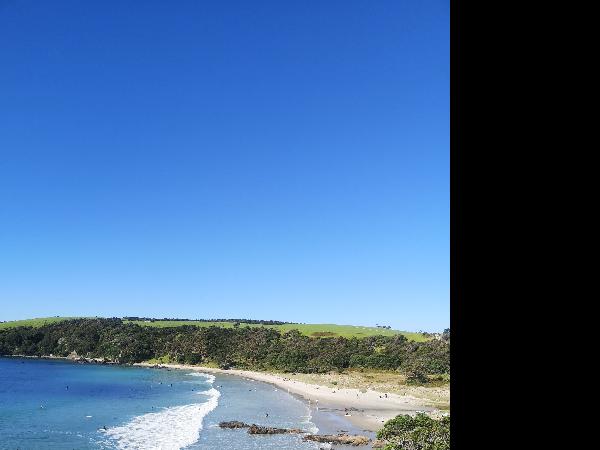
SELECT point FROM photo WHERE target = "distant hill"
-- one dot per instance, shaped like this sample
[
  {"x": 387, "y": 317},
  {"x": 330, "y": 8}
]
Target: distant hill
[{"x": 312, "y": 330}]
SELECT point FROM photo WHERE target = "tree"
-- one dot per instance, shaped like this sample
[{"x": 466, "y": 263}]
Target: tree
[
  {"x": 416, "y": 373},
  {"x": 416, "y": 433},
  {"x": 446, "y": 335}
]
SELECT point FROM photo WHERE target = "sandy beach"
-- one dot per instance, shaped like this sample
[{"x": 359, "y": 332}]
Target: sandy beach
[{"x": 365, "y": 410}]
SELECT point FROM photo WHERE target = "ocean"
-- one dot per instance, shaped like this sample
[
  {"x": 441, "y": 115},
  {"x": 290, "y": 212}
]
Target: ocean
[{"x": 58, "y": 404}]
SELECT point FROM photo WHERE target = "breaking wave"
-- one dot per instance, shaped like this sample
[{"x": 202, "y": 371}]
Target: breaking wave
[
  {"x": 170, "y": 429},
  {"x": 210, "y": 378}
]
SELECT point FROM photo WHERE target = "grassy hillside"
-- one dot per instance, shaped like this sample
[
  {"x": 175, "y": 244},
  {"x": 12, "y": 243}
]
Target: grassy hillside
[
  {"x": 313, "y": 330},
  {"x": 33, "y": 322}
]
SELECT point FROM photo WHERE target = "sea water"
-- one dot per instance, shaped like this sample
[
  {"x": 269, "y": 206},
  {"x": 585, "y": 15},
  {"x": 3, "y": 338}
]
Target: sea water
[{"x": 57, "y": 404}]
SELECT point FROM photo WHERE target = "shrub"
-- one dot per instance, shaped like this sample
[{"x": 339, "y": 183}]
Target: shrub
[{"x": 416, "y": 433}]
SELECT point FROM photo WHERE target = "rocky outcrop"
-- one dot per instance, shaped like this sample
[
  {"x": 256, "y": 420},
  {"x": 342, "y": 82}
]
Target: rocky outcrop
[
  {"x": 73, "y": 356},
  {"x": 378, "y": 443},
  {"x": 234, "y": 424},
  {"x": 256, "y": 429},
  {"x": 324, "y": 438},
  {"x": 338, "y": 439}
]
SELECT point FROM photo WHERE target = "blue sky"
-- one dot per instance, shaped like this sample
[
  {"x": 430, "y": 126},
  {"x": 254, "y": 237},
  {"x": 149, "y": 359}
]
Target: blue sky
[{"x": 272, "y": 160}]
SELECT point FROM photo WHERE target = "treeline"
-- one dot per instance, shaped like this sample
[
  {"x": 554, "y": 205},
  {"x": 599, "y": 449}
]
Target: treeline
[
  {"x": 257, "y": 348},
  {"x": 248, "y": 321}
]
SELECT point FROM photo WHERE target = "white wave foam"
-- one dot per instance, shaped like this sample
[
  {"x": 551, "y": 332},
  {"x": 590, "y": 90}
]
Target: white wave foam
[
  {"x": 170, "y": 429},
  {"x": 210, "y": 378},
  {"x": 309, "y": 425},
  {"x": 212, "y": 392}
]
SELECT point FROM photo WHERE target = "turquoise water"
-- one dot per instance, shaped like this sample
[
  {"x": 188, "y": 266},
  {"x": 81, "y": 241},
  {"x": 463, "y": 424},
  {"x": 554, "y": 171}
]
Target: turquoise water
[{"x": 55, "y": 404}]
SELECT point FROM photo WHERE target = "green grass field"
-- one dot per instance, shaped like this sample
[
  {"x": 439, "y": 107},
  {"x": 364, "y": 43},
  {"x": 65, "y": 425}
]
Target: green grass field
[
  {"x": 313, "y": 330},
  {"x": 33, "y": 322}
]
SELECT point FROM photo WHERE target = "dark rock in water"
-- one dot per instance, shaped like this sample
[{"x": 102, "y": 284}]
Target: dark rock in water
[
  {"x": 234, "y": 424},
  {"x": 256, "y": 429},
  {"x": 338, "y": 439}
]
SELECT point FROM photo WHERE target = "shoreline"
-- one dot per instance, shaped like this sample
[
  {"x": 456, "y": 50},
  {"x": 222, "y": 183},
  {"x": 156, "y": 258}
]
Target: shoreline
[{"x": 366, "y": 411}]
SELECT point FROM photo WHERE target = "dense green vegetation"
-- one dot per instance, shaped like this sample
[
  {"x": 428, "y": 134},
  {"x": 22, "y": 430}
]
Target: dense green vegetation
[
  {"x": 313, "y": 330},
  {"x": 250, "y": 347},
  {"x": 416, "y": 433}
]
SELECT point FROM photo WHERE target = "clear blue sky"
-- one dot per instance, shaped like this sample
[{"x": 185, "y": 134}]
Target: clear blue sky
[{"x": 267, "y": 159}]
